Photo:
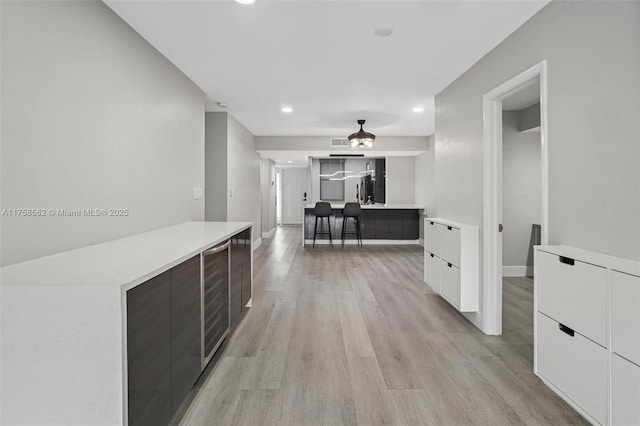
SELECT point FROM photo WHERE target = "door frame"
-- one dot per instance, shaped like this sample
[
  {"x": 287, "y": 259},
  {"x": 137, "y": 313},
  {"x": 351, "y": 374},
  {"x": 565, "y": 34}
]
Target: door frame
[{"x": 492, "y": 187}]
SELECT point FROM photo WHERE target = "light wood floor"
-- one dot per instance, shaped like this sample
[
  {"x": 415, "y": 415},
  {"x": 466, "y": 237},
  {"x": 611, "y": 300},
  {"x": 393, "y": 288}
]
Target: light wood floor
[{"x": 353, "y": 336}]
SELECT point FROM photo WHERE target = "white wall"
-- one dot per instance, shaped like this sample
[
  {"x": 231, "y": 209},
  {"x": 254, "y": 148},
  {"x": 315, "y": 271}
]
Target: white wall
[
  {"x": 521, "y": 201},
  {"x": 268, "y": 194},
  {"x": 424, "y": 177},
  {"x": 401, "y": 180},
  {"x": 243, "y": 177},
  {"x": 215, "y": 166},
  {"x": 92, "y": 117},
  {"x": 594, "y": 179}
]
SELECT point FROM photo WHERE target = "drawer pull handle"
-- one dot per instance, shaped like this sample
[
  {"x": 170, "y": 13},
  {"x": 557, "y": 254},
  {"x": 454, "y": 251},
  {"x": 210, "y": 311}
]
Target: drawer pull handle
[
  {"x": 566, "y": 330},
  {"x": 449, "y": 265},
  {"x": 449, "y": 228},
  {"x": 567, "y": 260},
  {"x": 431, "y": 223},
  {"x": 431, "y": 254}
]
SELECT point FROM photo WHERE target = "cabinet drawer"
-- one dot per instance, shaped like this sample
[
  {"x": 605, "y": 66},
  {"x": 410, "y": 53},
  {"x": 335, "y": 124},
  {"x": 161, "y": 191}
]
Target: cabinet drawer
[
  {"x": 575, "y": 365},
  {"x": 625, "y": 392},
  {"x": 450, "y": 245},
  {"x": 625, "y": 315},
  {"x": 573, "y": 293},
  {"x": 432, "y": 270},
  {"x": 432, "y": 233},
  {"x": 450, "y": 282}
]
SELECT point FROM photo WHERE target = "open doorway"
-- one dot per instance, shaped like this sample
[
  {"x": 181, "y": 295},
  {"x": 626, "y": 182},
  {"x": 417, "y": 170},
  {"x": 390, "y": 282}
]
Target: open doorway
[
  {"x": 520, "y": 95},
  {"x": 521, "y": 212}
]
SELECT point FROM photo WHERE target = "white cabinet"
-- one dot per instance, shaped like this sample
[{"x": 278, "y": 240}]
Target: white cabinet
[
  {"x": 450, "y": 245},
  {"x": 451, "y": 264},
  {"x": 625, "y": 392},
  {"x": 625, "y": 316},
  {"x": 587, "y": 331},
  {"x": 575, "y": 365},
  {"x": 573, "y": 293},
  {"x": 450, "y": 283},
  {"x": 432, "y": 231},
  {"x": 432, "y": 270}
]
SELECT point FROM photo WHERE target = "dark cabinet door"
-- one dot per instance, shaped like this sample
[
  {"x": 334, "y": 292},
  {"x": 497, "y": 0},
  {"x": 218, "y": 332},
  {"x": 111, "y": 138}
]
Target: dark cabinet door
[
  {"x": 235, "y": 285},
  {"x": 395, "y": 224},
  {"x": 246, "y": 268},
  {"x": 382, "y": 224},
  {"x": 216, "y": 299},
  {"x": 185, "y": 329},
  {"x": 368, "y": 227},
  {"x": 410, "y": 225},
  {"x": 149, "y": 352}
]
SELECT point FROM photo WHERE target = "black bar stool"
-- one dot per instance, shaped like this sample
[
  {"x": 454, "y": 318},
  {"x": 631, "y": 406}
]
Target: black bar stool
[
  {"x": 322, "y": 210},
  {"x": 353, "y": 211}
]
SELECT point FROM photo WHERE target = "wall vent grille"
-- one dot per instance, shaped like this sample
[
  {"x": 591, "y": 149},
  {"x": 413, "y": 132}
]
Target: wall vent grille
[{"x": 337, "y": 142}]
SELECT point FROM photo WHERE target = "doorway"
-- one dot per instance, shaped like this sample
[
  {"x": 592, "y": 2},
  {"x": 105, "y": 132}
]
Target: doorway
[
  {"x": 533, "y": 79},
  {"x": 294, "y": 188}
]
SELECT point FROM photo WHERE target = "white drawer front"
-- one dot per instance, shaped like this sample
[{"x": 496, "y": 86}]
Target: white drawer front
[
  {"x": 450, "y": 245},
  {"x": 625, "y": 392},
  {"x": 432, "y": 233},
  {"x": 625, "y": 316},
  {"x": 450, "y": 282},
  {"x": 575, "y": 365},
  {"x": 432, "y": 270},
  {"x": 575, "y": 295}
]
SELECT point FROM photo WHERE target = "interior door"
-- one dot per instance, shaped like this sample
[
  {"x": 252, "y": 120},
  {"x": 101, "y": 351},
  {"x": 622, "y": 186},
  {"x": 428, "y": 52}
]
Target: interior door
[{"x": 294, "y": 186}]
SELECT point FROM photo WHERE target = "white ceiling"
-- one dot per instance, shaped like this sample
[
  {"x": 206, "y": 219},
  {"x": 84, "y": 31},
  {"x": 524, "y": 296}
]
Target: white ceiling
[{"x": 322, "y": 58}]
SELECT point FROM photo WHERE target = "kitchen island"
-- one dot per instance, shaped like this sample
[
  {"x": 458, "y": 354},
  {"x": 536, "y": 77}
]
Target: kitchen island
[
  {"x": 380, "y": 224},
  {"x": 94, "y": 335}
]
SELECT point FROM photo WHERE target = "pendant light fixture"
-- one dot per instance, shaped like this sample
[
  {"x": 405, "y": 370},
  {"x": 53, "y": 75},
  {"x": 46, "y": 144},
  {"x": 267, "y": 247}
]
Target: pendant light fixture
[{"x": 362, "y": 139}]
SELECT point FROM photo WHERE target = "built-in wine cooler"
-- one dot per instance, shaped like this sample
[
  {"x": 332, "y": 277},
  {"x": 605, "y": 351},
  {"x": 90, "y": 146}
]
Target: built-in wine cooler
[{"x": 215, "y": 300}]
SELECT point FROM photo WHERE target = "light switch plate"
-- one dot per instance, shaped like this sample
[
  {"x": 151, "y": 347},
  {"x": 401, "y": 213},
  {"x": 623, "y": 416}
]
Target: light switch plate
[{"x": 197, "y": 193}]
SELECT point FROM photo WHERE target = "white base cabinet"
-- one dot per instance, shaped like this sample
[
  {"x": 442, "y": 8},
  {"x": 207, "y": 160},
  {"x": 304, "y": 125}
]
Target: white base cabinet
[
  {"x": 625, "y": 391},
  {"x": 451, "y": 262},
  {"x": 587, "y": 331}
]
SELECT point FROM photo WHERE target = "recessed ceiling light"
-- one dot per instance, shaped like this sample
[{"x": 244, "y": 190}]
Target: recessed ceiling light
[
  {"x": 418, "y": 109},
  {"x": 383, "y": 32},
  {"x": 245, "y": 1},
  {"x": 289, "y": 161},
  {"x": 287, "y": 109}
]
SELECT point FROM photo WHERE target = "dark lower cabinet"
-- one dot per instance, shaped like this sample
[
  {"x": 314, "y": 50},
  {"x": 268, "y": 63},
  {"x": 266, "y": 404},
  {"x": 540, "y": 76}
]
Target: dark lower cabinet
[
  {"x": 246, "y": 268},
  {"x": 149, "y": 352},
  {"x": 240, "y": 273},
  {"x": 163, "y": 343},
  {"x": 185, "y": 330}
]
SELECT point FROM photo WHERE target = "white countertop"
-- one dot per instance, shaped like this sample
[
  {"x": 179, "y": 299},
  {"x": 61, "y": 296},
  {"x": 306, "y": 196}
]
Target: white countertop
[
  {"x": 125, "y": 262},
  {"x": 375, "y": 206},
  {"x": 64, "y": 323}
]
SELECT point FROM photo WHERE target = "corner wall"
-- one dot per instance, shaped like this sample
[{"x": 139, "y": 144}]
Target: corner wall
[{"x": 93, "y": 117}]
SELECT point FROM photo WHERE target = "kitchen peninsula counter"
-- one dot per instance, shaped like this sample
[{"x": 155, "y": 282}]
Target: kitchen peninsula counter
[{"x": 380, "y": 224}]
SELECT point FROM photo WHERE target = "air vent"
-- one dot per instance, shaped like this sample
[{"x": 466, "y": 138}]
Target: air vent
[
  {"x": 346, "y": 155},
  {"x": 339, "y": 142}
]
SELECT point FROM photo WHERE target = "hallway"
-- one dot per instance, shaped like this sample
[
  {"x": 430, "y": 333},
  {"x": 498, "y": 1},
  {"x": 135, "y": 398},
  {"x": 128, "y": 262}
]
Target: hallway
[{"x": 353, "y": 336}]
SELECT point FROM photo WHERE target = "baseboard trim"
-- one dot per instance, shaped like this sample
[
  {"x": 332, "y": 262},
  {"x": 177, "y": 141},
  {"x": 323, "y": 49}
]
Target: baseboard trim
[
  {"x": 514, "y": 271},
  {"x": 269, "y": 234},
  {"x": 366, "y": 242},
  {"x": 257, "y": 243}
]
